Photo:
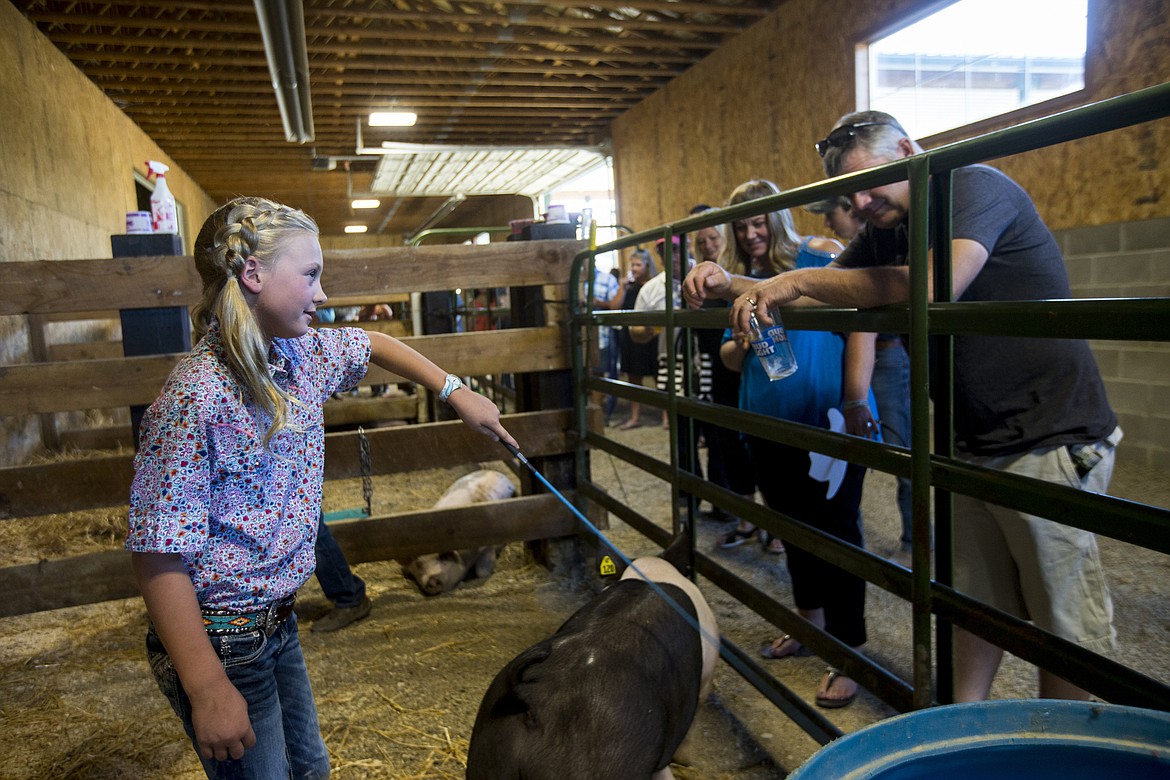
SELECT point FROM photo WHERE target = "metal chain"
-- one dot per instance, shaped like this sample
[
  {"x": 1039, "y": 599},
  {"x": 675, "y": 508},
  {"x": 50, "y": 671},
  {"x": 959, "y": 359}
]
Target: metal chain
[{"x": 367, "y": 483}]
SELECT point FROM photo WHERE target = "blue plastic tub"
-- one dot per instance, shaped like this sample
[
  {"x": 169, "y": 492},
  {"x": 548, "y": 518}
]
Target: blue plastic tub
[{"x": 1002, "y": 740}]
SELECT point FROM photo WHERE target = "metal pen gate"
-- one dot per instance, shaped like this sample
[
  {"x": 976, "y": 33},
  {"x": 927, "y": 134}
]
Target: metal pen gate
[{"x": 927, "y": 323}]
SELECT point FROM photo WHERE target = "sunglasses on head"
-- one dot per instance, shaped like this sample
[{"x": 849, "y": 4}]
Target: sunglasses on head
[{"x": 843, "y": 136}]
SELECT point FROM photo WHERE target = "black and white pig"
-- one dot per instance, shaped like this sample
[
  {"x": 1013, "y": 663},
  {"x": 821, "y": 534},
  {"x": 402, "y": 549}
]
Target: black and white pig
[
  {"x": 437, "y": 573},
  {"x": 610, "y": 696}
]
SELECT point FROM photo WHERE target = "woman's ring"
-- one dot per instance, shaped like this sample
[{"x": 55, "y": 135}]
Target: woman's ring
[{"x": 751, "y": 302}]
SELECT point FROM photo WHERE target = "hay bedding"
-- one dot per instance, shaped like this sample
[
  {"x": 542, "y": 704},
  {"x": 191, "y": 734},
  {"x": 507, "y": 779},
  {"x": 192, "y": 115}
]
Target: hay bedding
[{"x": 396, "y": 694}]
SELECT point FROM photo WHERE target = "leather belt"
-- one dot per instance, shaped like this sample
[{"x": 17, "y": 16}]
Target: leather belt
[{"x": 221, "y": 622}]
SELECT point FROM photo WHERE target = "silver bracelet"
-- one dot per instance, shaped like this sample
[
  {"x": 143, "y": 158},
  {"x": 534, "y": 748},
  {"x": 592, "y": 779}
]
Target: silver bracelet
[
  {"x": 450, "y": 385},
  {"x": 855, "y": 404}
]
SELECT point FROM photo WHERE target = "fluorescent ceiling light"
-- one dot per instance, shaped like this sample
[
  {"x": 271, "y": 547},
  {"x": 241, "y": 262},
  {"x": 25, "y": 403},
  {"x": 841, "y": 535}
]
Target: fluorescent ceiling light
[
  {"x": 355, "y": 228},
  {"x": 365, "y": 203},
  {"x": 393, "y": 119}
]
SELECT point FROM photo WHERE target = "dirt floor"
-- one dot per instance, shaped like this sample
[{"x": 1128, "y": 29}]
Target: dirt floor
[{"x": 398, "y": 692}]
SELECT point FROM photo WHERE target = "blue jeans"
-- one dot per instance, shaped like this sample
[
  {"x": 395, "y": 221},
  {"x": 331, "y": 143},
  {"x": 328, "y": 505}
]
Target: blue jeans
[
  {"x": 338, "y": 582},
  {"x": 269, "y": 672},
  {"x": 891, "y": 388}
]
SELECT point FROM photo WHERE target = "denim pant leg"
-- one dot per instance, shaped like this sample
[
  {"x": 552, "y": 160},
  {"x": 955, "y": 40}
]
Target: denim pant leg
[
  {"x": 269, "y": 672},
  {"x": 891, "y": 388},
  {"x": 338, "y": 582}
]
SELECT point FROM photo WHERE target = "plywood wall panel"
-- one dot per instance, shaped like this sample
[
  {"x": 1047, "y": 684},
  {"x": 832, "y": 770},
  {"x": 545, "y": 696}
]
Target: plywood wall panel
[
  {"x": 67, "y": 162},
  {"x": 769, "y": 94}
]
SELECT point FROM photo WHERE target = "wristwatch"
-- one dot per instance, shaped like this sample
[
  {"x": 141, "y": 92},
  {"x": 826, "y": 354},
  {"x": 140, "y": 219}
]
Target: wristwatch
[{"x": 450, "y": 385}]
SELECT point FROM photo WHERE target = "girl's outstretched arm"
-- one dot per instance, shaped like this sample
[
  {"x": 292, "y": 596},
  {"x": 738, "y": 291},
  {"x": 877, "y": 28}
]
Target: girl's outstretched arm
[
  {"x": 474, "y": 409},
  {"x": 219, "y": 713}
]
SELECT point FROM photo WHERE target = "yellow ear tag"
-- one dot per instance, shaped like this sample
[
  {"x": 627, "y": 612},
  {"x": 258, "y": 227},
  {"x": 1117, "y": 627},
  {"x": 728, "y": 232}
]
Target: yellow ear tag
[{"x": 607, "y": 566}]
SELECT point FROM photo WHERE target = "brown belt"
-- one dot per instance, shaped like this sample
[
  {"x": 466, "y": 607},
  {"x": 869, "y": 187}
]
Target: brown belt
[
  {"x": 887, "y": 343},
  {"x": 220, "y": 622}
]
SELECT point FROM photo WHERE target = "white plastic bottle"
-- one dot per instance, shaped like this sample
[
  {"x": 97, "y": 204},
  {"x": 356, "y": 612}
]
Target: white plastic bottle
[{"x": 162, "y": 202}]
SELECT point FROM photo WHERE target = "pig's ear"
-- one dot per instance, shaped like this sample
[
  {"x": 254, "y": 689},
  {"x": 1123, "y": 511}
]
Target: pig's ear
[{"x": 678, "y": 554}]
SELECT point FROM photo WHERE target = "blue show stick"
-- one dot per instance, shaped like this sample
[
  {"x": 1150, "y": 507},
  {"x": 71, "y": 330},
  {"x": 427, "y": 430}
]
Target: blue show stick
[{"x": 597, "y": 532}]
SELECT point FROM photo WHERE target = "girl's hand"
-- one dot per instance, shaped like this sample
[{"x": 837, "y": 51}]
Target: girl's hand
[
  {"x": 219, "y": 716},
  {"x": 480, "y": 414}
]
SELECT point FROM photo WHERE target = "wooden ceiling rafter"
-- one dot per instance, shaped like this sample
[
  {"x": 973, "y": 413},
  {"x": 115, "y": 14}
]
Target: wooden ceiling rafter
[
  {"x": 150, "y": 27},
  {"x": 519, "y": 51},
  {"x": 238, "y": 79},
  {"x": 193, "y": 74},
  {"x": 548, "y": 92},
  {"x": 229, "y": 62}
]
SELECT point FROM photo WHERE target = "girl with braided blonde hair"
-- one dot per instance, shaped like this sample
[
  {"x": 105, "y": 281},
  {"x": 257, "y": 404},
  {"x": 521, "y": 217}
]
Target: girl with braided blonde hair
[
  {"x": 226, "y": 495},
  {"x": 254, "y": 227}
]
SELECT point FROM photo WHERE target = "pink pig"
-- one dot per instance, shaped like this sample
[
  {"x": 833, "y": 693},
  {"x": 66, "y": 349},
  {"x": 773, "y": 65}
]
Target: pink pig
[{"x": 437, "y": 573}]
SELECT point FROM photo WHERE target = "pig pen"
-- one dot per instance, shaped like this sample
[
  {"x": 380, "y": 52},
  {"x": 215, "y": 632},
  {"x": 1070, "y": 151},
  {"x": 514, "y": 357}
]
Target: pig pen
[{"x": 398, "y": 692}]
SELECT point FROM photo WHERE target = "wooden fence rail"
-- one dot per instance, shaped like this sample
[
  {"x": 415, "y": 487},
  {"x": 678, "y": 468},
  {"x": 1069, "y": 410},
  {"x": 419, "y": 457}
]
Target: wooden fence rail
[{"x": 95, "y": 378}]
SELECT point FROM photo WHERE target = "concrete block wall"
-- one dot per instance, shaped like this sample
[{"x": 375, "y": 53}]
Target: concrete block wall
[{"x": 1129, "y": 260}]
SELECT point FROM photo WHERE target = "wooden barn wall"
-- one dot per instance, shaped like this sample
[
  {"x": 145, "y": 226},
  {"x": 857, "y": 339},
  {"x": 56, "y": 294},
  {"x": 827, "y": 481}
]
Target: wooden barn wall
[
  {"x": 755, "y": 107},
  {"x": 67, "y": 156}
]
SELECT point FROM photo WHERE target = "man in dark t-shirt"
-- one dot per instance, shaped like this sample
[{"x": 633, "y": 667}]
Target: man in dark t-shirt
[{"x": 1031, "y": 406}]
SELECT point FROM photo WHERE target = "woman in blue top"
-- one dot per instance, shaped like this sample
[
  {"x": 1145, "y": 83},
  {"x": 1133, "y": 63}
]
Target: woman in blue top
[{"x": 833, "y": 373}]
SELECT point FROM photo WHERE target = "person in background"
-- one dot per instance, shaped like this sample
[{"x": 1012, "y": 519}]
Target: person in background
[
  {"x": 345, "y": 590},
  {"x": 832, "y": 373},
  {"x": 226, "y": 496},
  {"x": 607, "y": 294},
  {"x": 638, "y": 360},
  {"x": 728, "y": 464},
  {"x": 373, "y": 312},
  {"x": 1035, "y": 407},
  {"x": 891, "y": 367},
  {"x": 657, "y": 295}
]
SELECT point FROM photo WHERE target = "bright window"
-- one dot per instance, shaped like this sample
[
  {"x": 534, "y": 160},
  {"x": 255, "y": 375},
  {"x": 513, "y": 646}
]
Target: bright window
[{"x": 975, "y": 59}]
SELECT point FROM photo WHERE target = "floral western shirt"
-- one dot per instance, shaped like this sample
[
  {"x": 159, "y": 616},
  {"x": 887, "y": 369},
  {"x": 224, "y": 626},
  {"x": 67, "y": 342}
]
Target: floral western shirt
[{"x": 243, "y": 518}]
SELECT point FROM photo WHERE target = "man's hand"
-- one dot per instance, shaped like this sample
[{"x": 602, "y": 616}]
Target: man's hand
[
  {"x": 776, "y": 291},
  {"x": 705, "y": 281}
]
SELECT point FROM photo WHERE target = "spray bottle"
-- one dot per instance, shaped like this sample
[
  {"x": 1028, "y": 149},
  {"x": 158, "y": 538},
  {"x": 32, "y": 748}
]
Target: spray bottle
[{"x": 162, "y": 202}]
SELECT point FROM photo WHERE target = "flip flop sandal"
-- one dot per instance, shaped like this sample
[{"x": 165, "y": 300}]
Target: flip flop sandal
[
  {"x": 735, "y": 538},
  {"x": 770, "y": 650},
  {"x": 833, "y": 704},
  {"x": 771, "y": 544}
]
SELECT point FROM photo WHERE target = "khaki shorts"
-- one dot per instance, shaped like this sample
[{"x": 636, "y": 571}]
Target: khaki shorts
[{"x": 1034, "y": 568}]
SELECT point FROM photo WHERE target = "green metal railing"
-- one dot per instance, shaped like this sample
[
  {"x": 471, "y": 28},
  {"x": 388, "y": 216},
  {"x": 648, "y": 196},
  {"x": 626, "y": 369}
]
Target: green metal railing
[{"x": 923, "y": 320}]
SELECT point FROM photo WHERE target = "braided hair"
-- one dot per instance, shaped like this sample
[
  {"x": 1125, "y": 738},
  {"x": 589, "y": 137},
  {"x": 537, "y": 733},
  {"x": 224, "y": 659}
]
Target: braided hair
[{"x": 242, "y": 228}]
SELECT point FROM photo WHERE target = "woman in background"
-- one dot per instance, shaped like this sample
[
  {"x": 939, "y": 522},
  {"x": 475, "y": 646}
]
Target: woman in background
[{"x": 638, "y": 361}]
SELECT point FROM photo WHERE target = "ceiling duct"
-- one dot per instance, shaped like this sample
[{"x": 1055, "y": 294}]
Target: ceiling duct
[{"x": 282, "y": 26}]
